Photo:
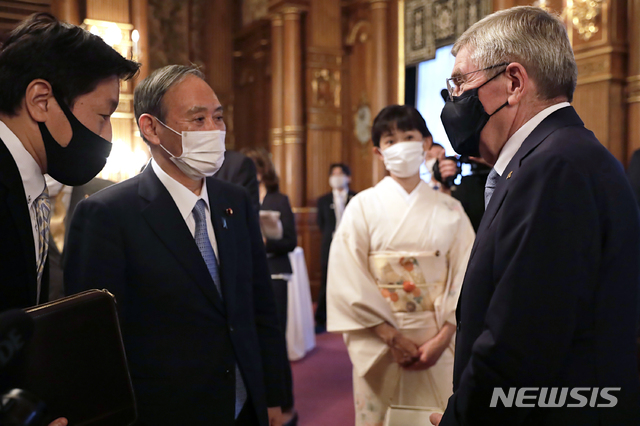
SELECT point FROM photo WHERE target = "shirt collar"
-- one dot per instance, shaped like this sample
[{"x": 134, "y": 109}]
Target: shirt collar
[
  {"x": 515, "y": 141},
  {"x": 183, "y": 197},
  {"x": 32, "y": 179}
]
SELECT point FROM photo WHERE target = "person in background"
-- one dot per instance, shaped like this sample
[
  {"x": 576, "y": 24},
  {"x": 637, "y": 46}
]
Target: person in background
[
  {"x": 64, "y": 200},
  {"x": 396, "y": 266},
  {"x": 271, "y": 199},
  {"x": 330, "y": 210},
  {"x": 434, "y": 154},
  {"x": 239, "y": 169},
  {"x": 183, "y": 255}
]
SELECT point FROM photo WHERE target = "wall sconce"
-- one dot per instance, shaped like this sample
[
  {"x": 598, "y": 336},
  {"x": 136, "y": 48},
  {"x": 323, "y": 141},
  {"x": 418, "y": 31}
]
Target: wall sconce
[{"x": 583, "y": 14}]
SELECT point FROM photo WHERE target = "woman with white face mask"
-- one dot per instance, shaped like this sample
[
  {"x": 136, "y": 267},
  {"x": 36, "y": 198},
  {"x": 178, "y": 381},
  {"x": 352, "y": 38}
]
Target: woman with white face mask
[{"x": 395, "y": 270}]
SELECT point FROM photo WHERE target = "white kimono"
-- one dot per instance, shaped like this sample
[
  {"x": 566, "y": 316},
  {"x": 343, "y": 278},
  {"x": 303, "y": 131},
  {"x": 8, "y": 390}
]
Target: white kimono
[{"x": 399, "y": 258}]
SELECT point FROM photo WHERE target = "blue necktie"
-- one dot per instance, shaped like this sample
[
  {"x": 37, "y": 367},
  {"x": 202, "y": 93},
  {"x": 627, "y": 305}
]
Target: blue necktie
[
  {"x": 209, "y": 256},
  {"x": 490, "y": 186}
]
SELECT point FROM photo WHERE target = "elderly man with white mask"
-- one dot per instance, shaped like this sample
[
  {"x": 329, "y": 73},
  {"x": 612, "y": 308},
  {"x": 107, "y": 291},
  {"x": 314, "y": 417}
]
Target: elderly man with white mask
[
  {"x": 548, "y": 312},
  {"x": 395, "y": 269}
]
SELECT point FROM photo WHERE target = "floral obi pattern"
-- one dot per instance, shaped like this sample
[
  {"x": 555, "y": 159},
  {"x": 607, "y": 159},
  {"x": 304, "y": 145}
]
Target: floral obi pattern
[{"x": 410, "y": 282}]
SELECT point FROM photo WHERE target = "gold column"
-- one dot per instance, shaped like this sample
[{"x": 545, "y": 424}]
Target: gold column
[
  {"x": 633, "y": 78},
  {"x": 67, "y": 10},
  {"x": 277, "y": 88},
  {"x": 293, "y": 125},
  {"x": 379, "y": 89}
]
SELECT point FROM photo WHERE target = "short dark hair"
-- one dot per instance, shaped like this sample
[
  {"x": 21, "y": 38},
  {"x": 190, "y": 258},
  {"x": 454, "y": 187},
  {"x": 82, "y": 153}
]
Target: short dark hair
[
  {"x": 436, "y": 145},
  {"x": 345, "y": 169},
  {"x": 264, "y": 166},
  {"x": 397, "y": 117},
  {"x": 71, "y": 59}
]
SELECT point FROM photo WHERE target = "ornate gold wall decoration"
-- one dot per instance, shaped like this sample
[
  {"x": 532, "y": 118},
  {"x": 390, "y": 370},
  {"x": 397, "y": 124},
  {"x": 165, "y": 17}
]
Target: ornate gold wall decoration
[
  {"x": 325, "y": 88},
  {"x": 430, "y": 24},
  {"x": 252, "y": 10}
]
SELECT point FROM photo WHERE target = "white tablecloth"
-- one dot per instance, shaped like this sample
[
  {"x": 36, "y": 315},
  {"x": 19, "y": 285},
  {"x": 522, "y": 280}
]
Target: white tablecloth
[{"x": 300, "y": 328}]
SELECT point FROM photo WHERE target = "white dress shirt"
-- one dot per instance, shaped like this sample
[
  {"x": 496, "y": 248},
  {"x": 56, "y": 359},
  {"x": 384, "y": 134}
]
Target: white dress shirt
[
  {"x": 515, "y": 141},
  {"x": 32, "y": 180},
  {"x": 339, "y": 203},
  {"x": 185, "y": 201}
]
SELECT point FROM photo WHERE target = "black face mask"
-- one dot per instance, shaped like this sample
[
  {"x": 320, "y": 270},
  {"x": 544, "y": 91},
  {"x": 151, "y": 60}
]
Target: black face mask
[
  {"x": 82, "y": 159},
  {"x": 464, "y": 118}
]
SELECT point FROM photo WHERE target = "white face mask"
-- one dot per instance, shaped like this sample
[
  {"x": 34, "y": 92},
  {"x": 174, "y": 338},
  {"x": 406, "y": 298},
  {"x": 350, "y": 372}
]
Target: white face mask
[
  {"x": 338, "y": 182},
  {"x": 429, "y": 164},
  {"x": 403, "y": 159},
  {"x": 202, "y": 152}
]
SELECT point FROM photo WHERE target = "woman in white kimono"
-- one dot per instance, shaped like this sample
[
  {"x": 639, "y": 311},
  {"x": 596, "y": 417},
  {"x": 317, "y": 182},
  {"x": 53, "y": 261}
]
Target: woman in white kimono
[{"x": 396, "y": 266}]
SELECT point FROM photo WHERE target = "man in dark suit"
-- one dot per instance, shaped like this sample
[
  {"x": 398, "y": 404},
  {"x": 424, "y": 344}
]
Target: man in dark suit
[
  {"x": 330, "y": 209},
  {"x": 64, "y": 200},
  {"x": 239, "y": 169},
  {"x": 59, "y": 85},
  {"x": 548, "y": 313},
  {"x": 183, "y": 255}
]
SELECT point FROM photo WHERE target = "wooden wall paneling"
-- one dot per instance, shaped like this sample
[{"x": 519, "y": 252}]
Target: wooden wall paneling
[
  {"x": 113, "y": 10},
  {"x": 67, "y": 10},
  {"x": 252, "y": 86},
  {"x": 308, "y": 239},
  {"x": 323, "y": 94},
  {"x": 602, "y": 70},
  {"x": 216, "y": 40},
  {"x": 359, "y": 65},
  {"x": 633, "y": 78},
  {"x": 14, "y": 11},
  {"x": 140, "y": 21},
  {"x": 380, "y": 87}
]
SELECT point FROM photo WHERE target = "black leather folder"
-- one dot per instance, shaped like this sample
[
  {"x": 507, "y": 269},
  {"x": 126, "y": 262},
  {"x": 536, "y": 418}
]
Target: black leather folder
[{"x": 75, "y": 361}]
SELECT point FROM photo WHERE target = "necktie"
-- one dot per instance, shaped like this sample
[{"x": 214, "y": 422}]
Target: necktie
[
  {"x": 490, "y": 186},
  {"x": 42, "y": 206},
  {"x": 57, "y": 220},
  {"x": 209, "y": 256}
]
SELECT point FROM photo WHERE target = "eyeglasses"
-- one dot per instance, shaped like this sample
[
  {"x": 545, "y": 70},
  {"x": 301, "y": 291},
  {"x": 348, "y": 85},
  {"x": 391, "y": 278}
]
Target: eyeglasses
[{"x": 454, "y": 83}]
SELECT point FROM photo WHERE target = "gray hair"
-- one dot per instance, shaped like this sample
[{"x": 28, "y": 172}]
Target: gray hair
[
  {"x": 147, "y": 98},
  {"x": 534, "y": 38}
]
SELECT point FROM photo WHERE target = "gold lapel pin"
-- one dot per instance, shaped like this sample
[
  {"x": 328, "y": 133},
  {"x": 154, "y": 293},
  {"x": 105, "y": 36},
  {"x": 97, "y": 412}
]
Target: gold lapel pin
[
  {"x": 509, "y": 175},
  {"x": 229, "y": 212}
]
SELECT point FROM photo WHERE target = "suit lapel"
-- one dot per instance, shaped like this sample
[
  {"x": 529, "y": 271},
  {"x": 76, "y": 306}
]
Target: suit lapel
[
  {"x": 222, "y": 220},
  {"x": 563, "y": 117},
  {"x": 165, "y": 219},
  {"x": 17, "y": 204}
]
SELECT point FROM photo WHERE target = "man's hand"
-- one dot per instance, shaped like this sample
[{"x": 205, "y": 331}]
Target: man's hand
[
  {"x": 405, "y": 352},
  {"x": 448, "y": 168},
  {"x": 435, "y": 419},
  {"x": 59, "y": 422},
  {"x": 275, "y": 416}
]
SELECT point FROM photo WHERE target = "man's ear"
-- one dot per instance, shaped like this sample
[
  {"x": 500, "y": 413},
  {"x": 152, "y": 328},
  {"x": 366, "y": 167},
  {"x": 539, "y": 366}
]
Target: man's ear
[
  {"x": 37, "y": 100},
  {"x": 149, "y": 129},
  {"x": 518, "y": 82}
]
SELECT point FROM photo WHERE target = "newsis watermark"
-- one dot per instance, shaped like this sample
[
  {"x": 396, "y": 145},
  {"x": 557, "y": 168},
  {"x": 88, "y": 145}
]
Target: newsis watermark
[{"x": 554, "y": 397}]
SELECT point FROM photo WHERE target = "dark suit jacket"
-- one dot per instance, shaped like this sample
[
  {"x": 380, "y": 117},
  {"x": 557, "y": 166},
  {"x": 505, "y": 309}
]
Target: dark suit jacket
[
  {"x": 240, "y": 170},
  {"x": 550, "y": 297},
  {"x": 327, "y": 223},
  {"x": 633, "y": 173},
  {"x": 278, "y": 250},
  {"x": 182, "y": 340},
  {"x": 19, "y": 279},
  {"x": 78, "y": 193}
]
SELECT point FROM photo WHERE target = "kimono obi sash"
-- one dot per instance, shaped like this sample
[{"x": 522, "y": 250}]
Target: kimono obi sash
[{"x": 409, "y": 281}]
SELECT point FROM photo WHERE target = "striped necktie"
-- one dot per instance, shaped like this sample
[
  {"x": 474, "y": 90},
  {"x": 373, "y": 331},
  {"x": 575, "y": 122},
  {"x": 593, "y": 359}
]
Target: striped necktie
[
  {"x": 490, "y": 186},
  {"x": 42, "y": 206},
  {"x": 206, "y": 250}
]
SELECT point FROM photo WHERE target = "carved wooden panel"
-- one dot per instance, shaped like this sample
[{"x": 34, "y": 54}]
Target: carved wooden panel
[
  {"x": 12, "y": 12},
  {"x": 113, "y": 10},
  {"x": 309, "y": 238},
  {"x": 252, "y": 86}
]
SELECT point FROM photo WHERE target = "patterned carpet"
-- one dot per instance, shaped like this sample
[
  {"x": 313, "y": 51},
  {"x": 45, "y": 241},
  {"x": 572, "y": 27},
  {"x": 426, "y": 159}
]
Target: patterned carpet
[{"x": 322, "y": 384}]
